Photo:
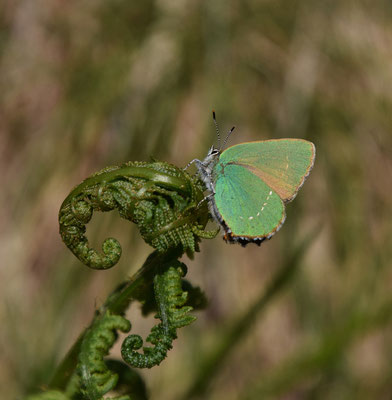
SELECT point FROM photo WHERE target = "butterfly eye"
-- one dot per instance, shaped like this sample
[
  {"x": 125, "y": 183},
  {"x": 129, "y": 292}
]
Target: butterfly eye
[{"x": 213, "y": 151}]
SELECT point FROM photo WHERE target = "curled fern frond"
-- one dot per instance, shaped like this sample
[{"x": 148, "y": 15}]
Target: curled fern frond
[
  {"x": 196, "y": 299},
  {"x": 159, "y": 197},
  {"x": 151, "y": 356},
  {"x": 170, "y": 300},
  {"x": 95, "y": 377}
]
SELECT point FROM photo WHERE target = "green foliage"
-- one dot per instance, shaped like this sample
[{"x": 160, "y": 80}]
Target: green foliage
[
  {"x": 49, "y": 395},
  {"x": 160, "y": 198},
  {"x": 95, "y": 377},
  {"x": 165, "y": 202},
  {"x": 170, "y": 300}
]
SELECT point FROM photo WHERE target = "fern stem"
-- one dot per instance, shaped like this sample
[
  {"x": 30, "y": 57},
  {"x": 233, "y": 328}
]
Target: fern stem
[
  {"x": 116, "y": 303},
  {"x": 120, "y": 301}
]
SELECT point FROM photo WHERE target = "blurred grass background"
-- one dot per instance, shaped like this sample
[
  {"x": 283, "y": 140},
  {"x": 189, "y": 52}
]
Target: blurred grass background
[{"x": 86, "y": 84}]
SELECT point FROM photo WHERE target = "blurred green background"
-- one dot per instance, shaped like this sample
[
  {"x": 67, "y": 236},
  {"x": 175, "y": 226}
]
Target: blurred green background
[{"x": 86, "y": 84}]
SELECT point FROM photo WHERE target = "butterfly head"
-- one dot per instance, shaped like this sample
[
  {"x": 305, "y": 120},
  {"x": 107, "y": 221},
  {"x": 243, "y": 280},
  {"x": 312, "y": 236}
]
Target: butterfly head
[
  {"x": 213, "y": 153},
  {"x": 211, "y": 159}
]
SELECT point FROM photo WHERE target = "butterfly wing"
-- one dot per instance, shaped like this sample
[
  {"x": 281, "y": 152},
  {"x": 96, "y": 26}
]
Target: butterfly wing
[
  {"x": 248, "y": 206},
  {"x": 282, "y": 164}
]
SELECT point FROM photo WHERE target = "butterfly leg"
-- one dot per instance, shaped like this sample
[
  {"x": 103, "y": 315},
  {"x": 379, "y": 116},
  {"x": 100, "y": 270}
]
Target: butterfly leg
[
  {"x": 191, "y": 162},
  {"x": 208, "y": 197}
]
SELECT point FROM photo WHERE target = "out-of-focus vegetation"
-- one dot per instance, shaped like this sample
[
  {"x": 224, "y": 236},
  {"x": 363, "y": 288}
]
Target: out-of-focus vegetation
[{"x": 85, "y": 84}]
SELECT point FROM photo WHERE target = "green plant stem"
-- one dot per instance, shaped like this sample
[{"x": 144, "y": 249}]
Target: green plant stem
[
  {"x": 209, "y": 368},
  {"x": 117, "y": 303}
]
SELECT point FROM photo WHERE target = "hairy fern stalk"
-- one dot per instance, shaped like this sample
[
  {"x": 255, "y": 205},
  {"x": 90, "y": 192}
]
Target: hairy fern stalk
[{"x": 166, "y": 204}]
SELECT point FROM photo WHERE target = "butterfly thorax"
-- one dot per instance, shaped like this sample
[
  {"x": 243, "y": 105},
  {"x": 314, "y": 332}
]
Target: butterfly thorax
[{"x": 206, "y": 168}]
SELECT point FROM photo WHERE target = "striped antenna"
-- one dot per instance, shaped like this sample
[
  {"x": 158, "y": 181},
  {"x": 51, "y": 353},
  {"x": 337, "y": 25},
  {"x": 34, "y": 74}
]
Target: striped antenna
[
  {"x": 216, "y": 128},
  {"x": 228, "y": 135}
]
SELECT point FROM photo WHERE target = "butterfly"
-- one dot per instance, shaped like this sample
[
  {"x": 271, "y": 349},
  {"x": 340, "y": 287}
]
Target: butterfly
[{"x": 250, "y": 184}]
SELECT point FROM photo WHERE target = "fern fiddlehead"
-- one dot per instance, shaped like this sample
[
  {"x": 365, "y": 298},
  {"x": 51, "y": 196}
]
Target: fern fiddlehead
[
  {"x": 160, "y": 198},
  {"x": 166, "y": 204},
  {"x": 173, "y": 313}
]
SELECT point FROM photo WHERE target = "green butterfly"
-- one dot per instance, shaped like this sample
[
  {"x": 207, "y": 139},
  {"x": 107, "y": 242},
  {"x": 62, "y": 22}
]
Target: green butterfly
[{"x": 250, "y": 183}]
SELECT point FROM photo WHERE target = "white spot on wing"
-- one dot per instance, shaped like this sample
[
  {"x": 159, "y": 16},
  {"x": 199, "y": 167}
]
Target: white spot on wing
[{"x": 266, "y": 201}]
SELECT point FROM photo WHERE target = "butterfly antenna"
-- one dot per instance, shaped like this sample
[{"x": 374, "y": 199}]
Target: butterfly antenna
[
  {"x": 216, "y": 128},
  {"x": 228, "y": 135}
]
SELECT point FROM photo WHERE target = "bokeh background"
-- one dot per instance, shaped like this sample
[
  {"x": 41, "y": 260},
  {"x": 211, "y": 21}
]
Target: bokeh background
[{"x": 90, "y": 83}]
